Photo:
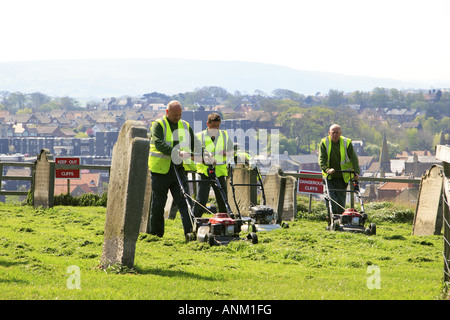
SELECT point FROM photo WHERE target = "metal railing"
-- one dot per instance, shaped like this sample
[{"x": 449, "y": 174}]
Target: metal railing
[
  {"x": 12, "y": 177},
  {"x": 31, "y": 165}
]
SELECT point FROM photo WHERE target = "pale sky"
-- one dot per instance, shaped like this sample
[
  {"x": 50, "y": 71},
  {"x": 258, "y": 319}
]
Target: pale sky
[{"x": 399, "y": 39}]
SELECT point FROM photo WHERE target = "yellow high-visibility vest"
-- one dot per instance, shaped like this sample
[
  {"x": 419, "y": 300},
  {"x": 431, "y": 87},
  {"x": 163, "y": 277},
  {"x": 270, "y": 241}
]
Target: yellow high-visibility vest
[
  {"x": 217, "y": 150},
  {"x": 345, "y": 162},
  {"x": 159, "y": 162}
]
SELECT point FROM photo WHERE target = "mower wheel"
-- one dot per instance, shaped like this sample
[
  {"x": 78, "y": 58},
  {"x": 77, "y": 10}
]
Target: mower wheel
[
  {"x": 253, "y": 236},
  {"x": 190, "y": 237},
  {"x": 372, "y": 230},
  {"x": 335, "y": 225},
  {"x": 210, "y": 239}
]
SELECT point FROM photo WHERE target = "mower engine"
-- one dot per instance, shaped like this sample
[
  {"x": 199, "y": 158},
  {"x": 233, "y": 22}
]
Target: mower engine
[
  {"x": 262, "y": 214},
  {"x": 223, "y": 225},
  {"x": 353, "y": 217}
]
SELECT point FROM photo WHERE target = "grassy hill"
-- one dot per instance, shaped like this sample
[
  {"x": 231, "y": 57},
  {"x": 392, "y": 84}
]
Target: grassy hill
[
  {"x": 38, "y": 249},
  {"x": 103, "y": 78}
]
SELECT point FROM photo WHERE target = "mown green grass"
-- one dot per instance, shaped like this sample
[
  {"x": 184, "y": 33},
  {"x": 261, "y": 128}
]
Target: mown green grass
[{"x": 302, "y": 262}]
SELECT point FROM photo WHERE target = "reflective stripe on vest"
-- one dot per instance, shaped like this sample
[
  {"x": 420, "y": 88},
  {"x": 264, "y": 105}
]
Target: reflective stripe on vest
[
  {"x": 345, "y": 160},
  {"x": 159, "y": 162}
]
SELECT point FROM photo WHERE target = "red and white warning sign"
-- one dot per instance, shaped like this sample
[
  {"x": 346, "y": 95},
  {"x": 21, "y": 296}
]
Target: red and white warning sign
[
  {"x": 67, "y": 173},
  {"x": 310, "y": 185}
]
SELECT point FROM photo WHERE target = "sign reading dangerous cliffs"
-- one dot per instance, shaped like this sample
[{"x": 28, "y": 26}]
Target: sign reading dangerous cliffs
[{"x": 310, "y": 185}]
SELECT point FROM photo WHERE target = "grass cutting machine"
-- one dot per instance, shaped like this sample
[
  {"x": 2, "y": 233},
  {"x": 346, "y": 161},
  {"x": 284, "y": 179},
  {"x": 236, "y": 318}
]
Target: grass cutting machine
[
  {"x": 221, "y": 228},
  {"x": 350, "y": 220},
  {"x": 265, "y": 217}
]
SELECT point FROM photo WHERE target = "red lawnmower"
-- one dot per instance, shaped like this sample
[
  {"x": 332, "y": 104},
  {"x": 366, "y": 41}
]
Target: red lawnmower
[
  {"x": 350, "y": 220},
  {"x": 220, "y": 229}
]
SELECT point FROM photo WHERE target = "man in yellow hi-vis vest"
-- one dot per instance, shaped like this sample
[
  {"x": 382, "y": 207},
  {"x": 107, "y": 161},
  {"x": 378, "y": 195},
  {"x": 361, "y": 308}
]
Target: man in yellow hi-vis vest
[
  {"x": 336, "y": 153},
  {"x": 216, "y": 143},
  {"x": 171, "y": 148}
]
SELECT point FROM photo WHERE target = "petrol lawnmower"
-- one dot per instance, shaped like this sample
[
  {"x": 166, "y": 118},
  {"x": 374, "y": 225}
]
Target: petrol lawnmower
[
  {"x": 350, "y": 220},
  {"x": 265, "y": 217},
  {"x": 221, "y": 228}
]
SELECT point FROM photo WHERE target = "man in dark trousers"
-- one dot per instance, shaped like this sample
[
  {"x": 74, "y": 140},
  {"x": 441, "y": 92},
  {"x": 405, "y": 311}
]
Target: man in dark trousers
[
  {"x": 171, "y": 148},
  {"x": 336, "y": 153},
  {"x": 217, "y": 143}
]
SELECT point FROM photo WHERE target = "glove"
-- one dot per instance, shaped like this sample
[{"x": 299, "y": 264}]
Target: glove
[
  {"x": 184, "y": 155},
  {"x": 209, "y": 159}
]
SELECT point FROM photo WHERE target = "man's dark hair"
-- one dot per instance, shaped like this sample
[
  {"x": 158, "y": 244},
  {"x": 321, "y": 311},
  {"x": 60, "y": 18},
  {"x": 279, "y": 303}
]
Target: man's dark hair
[{"x": 213, "y": 117}]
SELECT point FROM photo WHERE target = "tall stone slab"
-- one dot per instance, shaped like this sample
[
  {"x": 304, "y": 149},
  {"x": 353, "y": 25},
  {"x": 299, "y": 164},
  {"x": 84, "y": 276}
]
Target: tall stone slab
[
  {"x": 246, "y": 192},
  {"x": 443, "y": 154},
  {"x": 281, "y": 193},
  {"x": 290, "y": 199},
  {"x": 274, "y": 186},
  {"x": 44, "y": 180},
  {"x": 428, "y": 216},
  {"x": 145, "y": 222},
  {"x": 126, "y": 193}
]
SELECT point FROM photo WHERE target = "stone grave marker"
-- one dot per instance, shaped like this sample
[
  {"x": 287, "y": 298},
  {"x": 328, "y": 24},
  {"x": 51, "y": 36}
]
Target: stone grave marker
[
  {"x": 44, "y": 180},
  {"x": 126, "y": 193},
  {"x": 245, "y": 195},
  {"x": 428, "y": 216}
]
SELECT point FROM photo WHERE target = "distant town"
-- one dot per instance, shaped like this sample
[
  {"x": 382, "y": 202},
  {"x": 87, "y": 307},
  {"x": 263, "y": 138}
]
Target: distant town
[{"x": 90, "y": 132}]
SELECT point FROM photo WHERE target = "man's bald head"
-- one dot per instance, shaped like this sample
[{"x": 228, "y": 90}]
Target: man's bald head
[
  {"x": 174, "y": 111},
  {"x": 335, "y": 132}
]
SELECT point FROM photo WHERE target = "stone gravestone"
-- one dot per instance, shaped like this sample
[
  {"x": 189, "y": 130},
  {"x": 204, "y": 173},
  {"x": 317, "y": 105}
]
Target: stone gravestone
[
  {"x": 274, "y": 187},
  {"x": 127, "y": 187},
  {"x": 281, "y": 193},
  {"x": 443, "y": 154},
  {"x": 145, "y": 222},
  {"x": 245, "y": 195},
  {"x": 44, "y": 180},
  {"x": 290, "y": 198},
  {"x": 428, "y": 216}
]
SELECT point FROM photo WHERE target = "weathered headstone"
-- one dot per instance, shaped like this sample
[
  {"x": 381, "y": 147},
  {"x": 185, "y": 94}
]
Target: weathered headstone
[
  {"x": 290, "y": 199},
  {"x": 281, "y": 193},
  {"x": 245, "y": 195},
  {"x": 44, "y": 180},
  {"x": 127, "y": 186},
  {"x": 443, "y": 154},
  {"x": 274, "y": 187},
  {"x": 428, "y": 216},
  {"x": 145, "y": 221}
]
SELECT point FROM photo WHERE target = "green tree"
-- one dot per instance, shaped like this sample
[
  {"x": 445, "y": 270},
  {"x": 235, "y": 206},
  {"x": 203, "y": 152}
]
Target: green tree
[
  {"x": 25, "y": 111},
  {"x": 16, "y": 100},
  {"x": 361, "y": 98},
  {"x": 431, "y": 125},
  {"x": 37, "y": 99},
  {"x": 335, "y": 98},
  {"x": 379, "y": 98},
  {"x": 288, "y": 94}
]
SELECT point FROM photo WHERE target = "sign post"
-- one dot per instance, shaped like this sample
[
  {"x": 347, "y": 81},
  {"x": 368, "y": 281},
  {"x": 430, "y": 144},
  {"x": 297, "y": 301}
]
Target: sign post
[{"x": 67, "y": 173}]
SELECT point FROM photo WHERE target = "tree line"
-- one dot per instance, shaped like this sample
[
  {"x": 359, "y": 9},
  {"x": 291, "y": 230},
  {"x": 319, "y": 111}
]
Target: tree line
[
  {"x": 21, "y": 103},
  {"x": 304, "y": 119}
]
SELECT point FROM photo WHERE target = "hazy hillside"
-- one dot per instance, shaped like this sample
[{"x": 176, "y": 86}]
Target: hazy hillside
[{"x": 116, "y": 77}]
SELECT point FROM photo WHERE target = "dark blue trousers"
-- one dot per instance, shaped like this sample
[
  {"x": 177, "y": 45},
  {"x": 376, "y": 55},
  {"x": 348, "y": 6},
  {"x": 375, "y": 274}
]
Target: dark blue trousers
[
  {"x": 203, "y": 192},
  {"x": 338, "y": 196},
  {"x": 161, "y": 184}
]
